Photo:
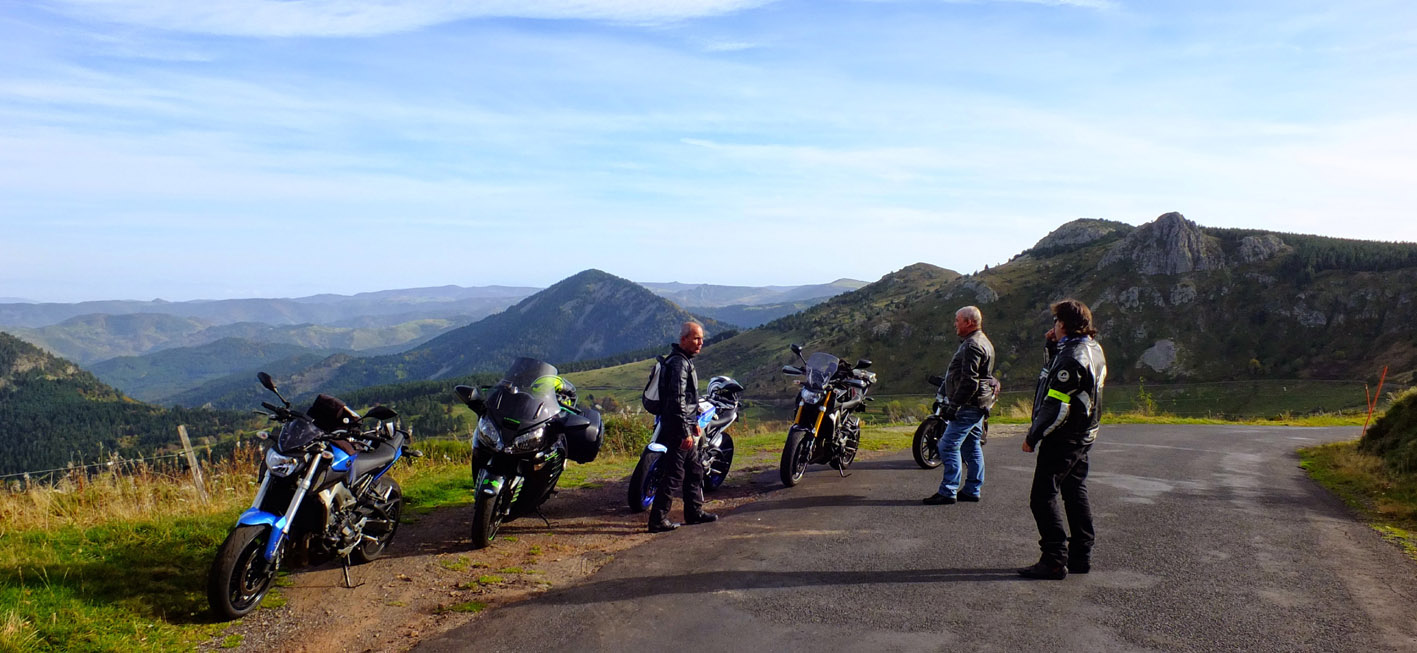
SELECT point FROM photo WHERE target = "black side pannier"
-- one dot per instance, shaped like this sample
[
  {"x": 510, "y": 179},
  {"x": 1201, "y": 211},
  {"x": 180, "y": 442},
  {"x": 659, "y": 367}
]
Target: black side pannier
[
  {"x": 330, "y": 414},
  {"x": 583, "y": 436}
]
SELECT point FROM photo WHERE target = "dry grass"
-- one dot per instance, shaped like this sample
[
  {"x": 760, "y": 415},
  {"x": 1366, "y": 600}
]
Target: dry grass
[{"x": 128, "y": 490}]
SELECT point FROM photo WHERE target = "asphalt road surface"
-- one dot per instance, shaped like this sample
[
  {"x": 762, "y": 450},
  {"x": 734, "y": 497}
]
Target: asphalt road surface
[{"x": 1210, "y": 538}]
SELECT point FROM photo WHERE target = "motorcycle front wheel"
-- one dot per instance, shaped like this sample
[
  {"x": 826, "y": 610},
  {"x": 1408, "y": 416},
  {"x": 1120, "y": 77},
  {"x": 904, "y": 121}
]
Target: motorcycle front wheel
[
  {"x": 718, "y": 469},
  {"x": 926, "y": 445},
  {"x": 487, "y": 515},
  {"x": 644, "y": 483},
  {"x": 240, "y": 576},
  {"x": 794, "y": 457},
  {"x": 393, "y": 507}
]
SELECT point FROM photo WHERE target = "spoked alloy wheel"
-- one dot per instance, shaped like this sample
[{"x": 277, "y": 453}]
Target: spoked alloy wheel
[
  {"x": 240, "y": 576},
  {"x": 794, "y": 457},
  {"x": 487, "y": 515},
  {"x": 926, "y": 445},
  {"x": 393, "y": 506},
  {"x": 644, "y": 483}
]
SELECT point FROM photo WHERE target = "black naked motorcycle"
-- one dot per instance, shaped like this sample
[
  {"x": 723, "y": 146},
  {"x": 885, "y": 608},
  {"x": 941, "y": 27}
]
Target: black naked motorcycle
[
  {"x": 528, "y": 425},
  {"x": 324, "y": 494},
  {"x": 717, "y": 411},
  {"x": 926, "y": 445},
  {"x": 824, "y": 429}
]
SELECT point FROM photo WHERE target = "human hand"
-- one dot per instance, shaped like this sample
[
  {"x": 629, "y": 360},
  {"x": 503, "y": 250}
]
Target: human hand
[
  {"x": 1027, "y": 448},
  {"x": 1051, "y": 336},
  {"x": 687, "y": 444}
]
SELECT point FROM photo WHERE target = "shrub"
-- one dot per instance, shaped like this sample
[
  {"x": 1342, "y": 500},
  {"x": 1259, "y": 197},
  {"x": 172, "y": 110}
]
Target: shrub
[{"x": 1394, "y": 435}]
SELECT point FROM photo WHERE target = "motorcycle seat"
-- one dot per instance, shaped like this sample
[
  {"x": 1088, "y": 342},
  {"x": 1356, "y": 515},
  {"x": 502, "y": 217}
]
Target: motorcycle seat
[{"x": 375, "y": 458}]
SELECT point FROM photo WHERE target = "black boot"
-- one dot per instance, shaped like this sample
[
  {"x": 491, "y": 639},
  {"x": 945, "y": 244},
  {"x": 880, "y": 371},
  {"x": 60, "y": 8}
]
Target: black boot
[
  {"x": 662, "y": 526},
  {"x": 700, "y": 518},
  {"x": 1044, "y": 571}
]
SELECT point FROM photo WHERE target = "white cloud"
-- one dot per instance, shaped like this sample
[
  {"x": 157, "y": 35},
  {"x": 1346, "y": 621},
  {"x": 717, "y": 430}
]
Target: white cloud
[{"x": 286, "y": 18}]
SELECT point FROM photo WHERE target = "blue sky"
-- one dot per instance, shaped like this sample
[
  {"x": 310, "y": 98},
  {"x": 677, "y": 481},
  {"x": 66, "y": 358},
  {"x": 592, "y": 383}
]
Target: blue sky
[{"x": 239, "y": 148}]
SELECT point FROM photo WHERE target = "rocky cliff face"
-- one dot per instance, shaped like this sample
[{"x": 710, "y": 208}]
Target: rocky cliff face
[
  {"x": 1078, "y": 233},
  {"x": 1169, "y": 245}
]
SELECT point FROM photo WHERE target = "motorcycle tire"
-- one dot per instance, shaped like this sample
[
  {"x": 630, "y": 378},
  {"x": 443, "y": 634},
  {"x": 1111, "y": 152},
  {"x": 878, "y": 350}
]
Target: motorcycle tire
[
  {"x": 794, "y": 457},
  {"x": 717, "y": 472},
  {"x": 487, "y": 517},
  {"x": 644, "y": 483},
  {"x": 240, "y": 576},
  {"x": 369, "y": 551},
  {"x": 926, "y": 445}
]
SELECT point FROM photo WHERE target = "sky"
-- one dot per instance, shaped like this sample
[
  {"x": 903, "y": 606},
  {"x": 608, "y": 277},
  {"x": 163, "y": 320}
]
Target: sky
[{"x": 280, "y": 148}]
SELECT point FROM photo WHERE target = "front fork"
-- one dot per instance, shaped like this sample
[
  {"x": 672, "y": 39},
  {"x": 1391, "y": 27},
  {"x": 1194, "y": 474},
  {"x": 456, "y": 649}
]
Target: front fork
[{"x": 280, "y": 524}]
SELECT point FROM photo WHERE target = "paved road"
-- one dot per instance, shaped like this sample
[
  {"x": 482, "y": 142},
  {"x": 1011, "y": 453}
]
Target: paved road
[{"x": 1209, "y": 539}]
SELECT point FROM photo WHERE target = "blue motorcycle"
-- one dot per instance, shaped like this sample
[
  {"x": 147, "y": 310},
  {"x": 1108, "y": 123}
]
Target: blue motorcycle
[
  {"x": 717, "y": 411},
  {"x": 324, "y": 494}
]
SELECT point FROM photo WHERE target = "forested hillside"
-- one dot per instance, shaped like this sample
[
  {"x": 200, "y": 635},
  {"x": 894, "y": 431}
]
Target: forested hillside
[{"x": 52, "y": 413}]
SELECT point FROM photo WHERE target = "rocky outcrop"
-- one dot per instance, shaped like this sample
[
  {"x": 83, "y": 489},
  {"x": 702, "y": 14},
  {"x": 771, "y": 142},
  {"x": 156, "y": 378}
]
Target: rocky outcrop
[
  {"x": 1078, "y": 233},
  {"x": 983, "y": 294},
  {"x": 1254, "y": 249},
  {"x": 1160, "y": 356},
  {"x": 1169, "y": 245}
]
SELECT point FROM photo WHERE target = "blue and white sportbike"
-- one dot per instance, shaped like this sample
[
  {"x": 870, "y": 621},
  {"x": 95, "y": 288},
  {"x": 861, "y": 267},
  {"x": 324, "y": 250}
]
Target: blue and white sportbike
[
  {"x": 324, "y": 495},
  {"x": 717, "y": 411}
]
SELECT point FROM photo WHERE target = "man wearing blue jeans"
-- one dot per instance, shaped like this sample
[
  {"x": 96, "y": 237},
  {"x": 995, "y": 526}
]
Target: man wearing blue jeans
[{"x": 970, "y": 389}]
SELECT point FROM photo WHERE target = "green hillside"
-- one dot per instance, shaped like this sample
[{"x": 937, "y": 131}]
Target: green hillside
[
  {"x": 589, "y": 315},
  {"x": 53, "y": 413},
  {"x": 159, "y": 375},
  {"x": 1174, "y": 302}
]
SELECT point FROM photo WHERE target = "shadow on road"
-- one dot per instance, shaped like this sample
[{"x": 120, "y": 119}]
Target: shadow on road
[
  {"x": 827, "y": 501},
  {"x": 703, "y": 583}
]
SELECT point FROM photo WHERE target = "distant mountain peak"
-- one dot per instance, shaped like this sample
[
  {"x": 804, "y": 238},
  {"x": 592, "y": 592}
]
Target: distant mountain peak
[{"x": 1170, "y": 244}]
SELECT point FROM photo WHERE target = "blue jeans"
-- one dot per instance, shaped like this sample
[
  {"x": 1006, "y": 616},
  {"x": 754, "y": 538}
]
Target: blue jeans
[{"x": 960, "y": 443}]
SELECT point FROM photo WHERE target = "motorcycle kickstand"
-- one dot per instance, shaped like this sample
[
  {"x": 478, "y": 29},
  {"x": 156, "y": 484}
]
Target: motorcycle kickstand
[
  {"x": 543, "y": 517},
  {"x": 347, "y": 582}
]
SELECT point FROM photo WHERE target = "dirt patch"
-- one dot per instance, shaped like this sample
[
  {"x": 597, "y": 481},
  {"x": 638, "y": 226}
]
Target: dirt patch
[{"x": 432, "y": 580}]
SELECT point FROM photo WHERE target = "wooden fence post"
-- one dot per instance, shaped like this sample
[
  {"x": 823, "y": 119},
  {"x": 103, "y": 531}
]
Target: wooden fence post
[{"x": 192, "y": 462}]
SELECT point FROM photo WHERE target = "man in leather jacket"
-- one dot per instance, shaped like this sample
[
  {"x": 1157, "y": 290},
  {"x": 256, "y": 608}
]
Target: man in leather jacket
[
  {"x": 1067, "y": 408},
  {"x": 970, "y": 390},
  {"x": 679, "y": 432}
]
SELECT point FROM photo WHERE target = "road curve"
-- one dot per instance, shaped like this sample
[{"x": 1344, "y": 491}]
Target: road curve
[{"x": 1209, "y": 539}]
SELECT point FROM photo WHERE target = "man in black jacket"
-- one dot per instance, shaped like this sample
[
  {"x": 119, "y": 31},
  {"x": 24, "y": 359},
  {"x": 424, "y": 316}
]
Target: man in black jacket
[
  {"x": 1067, "y": 408},
  {"x": 970, "y": 390},
  {"x": 679, "y": 433}
]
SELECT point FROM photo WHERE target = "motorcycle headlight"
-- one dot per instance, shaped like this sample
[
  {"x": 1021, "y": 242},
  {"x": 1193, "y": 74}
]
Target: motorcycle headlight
[
  {"x": 280, "y": 464},
  {"x": 529, "y": 441},
  {"x": 811, "y": 396},
  {"x": 488, "y": 435}
]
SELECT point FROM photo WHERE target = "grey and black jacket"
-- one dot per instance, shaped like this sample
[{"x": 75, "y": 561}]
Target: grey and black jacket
[
  {"x": 679, "y": 392},
  {"x": 970, "y": 378},
  {"x": 1067, "y": 407}
]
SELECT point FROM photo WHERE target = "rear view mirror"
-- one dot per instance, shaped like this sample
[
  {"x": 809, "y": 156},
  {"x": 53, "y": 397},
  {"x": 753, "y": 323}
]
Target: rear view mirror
[
  {"x": 863, "y": 363},
  {"x": 796, "y": 349},
  {"x": 791, "y": 370},
  {"x": 936, "y": 381},
  {"x": 266, "y": 381},
  {"x": 470, "y": 396}
]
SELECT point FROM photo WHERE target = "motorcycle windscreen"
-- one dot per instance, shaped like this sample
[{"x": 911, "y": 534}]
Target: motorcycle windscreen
[
  {"x": 296, "y": 434},
  {"x": 820, "y": 368},
  {"x": 518, "y": 408},
  {"x": 525, "y": 371}
]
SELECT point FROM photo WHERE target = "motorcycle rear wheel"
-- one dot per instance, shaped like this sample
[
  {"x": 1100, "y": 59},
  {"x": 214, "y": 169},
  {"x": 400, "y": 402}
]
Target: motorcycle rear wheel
[
  {"x": 644, "y": 483},
  {"x": 794, "y": 457},
  {"x": 369, "y": 551},
  {"x": 717, "y": 472},
  {"x": 240, "y": 575},
  {"x": 926, "y": 445}
]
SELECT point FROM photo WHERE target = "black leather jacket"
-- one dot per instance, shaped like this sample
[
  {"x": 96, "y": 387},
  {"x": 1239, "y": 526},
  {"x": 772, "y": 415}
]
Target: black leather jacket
[
  {"x": 679, "y": 392},
  {"x": 969, "y": 380},
  {"x": 1067, "y": 407}
]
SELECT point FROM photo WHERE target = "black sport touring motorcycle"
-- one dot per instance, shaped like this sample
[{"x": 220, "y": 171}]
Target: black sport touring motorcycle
[
  {"x": 717, "y": 411},
  {"x": 324, "y": 494},
  {"x": 824, "y": 430},
  {"x": 528, "y": 425}
]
